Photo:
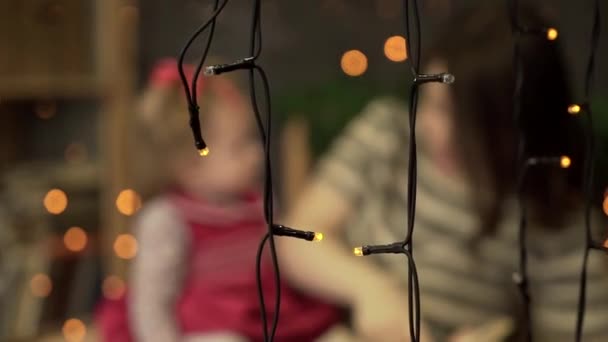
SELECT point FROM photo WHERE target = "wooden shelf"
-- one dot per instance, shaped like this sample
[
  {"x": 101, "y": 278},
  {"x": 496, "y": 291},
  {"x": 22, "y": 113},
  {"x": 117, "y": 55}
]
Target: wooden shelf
[
  {"x": 50, "y": 87},
  {"x": 73, "y": 50}
]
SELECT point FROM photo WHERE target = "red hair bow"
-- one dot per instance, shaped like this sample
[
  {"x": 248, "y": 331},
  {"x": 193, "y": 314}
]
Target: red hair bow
[{"x": 166, "y": 74}]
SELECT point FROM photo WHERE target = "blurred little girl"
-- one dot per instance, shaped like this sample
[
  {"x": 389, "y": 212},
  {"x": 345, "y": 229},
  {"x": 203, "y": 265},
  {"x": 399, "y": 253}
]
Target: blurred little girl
[{"x": 194, "y": 276}]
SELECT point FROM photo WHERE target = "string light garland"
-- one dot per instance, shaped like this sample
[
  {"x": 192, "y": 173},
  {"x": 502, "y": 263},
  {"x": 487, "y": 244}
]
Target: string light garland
[
  {"x": 249, "y": 64},
  {"x": 191, "y": 90},
  {"x": 521, "y": 278},
  {"x": 406, "y": 246},
  {"x": 588, "y": 173},
  {"x": 574, "y": 109}
]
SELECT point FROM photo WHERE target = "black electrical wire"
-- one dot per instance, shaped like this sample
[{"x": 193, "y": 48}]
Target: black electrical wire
[
  {"x": 521, "y": 277},
  {"x": 255, "y": 49},
  {"x": 201, "y": 62},
  {"x": 268, "y": 199},
  {"x": 260, "y": 290},
  {"x": 413, "y": 285},
  {"x": 191, "y": 91},
  {"x": 589, "y": 167},
  {"x": 406, "y": 246}
]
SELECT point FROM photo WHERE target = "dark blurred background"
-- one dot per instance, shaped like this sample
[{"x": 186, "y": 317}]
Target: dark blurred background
[{"x": 70, "y": 73}]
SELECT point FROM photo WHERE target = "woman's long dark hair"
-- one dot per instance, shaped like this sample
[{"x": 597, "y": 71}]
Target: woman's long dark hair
[{"x": 477, "y": 46}]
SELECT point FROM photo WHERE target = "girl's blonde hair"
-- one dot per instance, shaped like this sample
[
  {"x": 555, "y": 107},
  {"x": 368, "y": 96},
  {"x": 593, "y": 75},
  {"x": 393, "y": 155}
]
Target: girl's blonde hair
[{"x": 162, "y": 134}]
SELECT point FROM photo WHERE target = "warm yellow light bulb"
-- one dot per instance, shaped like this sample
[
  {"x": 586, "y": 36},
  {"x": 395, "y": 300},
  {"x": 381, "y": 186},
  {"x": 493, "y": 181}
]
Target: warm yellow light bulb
[
  {"x": 358, "y": 251},
  {"x": 318, "y": 237},
  {"x": 552, "y": 34},
  {"x": 574, "y": 109},
  {"x": 204, "y": 152},
  {"x": 565, "y": 162}
]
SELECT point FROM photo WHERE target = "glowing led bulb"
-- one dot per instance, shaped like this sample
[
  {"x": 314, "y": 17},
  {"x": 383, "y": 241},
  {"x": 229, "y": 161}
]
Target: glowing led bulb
[
  {"x": 204, "y": 152},
  {"x": 552, "y": 34},
  {"x": 358, "y": 251},
  {"x": 565, "y": 162},
  {"x": 318, "y": 237},
  {"x": 574, "y": 109}
]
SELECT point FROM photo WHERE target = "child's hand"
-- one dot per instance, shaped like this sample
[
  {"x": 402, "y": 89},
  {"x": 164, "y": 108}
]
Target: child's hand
[{"x": 380, "y": 313}]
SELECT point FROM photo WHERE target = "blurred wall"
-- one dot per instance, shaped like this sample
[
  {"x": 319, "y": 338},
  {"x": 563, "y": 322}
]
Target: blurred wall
[{"x": 303, "y": 40}]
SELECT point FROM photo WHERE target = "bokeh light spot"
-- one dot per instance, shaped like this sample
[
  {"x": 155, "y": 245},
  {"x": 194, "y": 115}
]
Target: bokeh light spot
[
  {"x": 55, "y": 201},
  {"x": 128, "y": 202},
  {"x": 354, "y": 63},
  {"x": 74, "y": 330},
  {"x": 75, "y": 239},
  {"x": 394, "y": 49},
  {"x": 75, "y": 153},
  {"x": 113, "y": 287},
  {"x": 41, "y": 285},
  {"x": 125, "y": 246},
  {"x": 46, "y": 109}
]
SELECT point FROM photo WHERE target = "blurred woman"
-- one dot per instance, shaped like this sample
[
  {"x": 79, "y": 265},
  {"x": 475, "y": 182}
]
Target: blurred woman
[{"x": 467, "y": 216}]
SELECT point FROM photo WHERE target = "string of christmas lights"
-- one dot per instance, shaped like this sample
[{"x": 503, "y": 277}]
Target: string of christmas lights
[
  {"x": 589, "y": 167},
  {"x": 249, "y": 64},
  {"x": 411, "y": 14},
  {"x": 191, "y": 90},
  {"x": 521, "y": 276},
  {"x": 406, "y": 246}
]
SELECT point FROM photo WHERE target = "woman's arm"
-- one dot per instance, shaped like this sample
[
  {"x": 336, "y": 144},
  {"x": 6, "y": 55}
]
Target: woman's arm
[
  {"x": 339, "y": 188},
  {"x": 327, "y": 269},
  {"x": 156, "y": 274}
]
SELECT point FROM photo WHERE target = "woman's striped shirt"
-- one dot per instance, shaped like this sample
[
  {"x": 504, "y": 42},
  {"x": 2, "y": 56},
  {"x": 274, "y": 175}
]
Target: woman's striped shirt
[{"x": 462, "y": 283}]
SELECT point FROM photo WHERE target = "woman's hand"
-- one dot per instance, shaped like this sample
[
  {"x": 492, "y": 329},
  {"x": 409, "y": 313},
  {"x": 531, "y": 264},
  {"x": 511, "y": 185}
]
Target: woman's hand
[{"x": 380, "y": 313}]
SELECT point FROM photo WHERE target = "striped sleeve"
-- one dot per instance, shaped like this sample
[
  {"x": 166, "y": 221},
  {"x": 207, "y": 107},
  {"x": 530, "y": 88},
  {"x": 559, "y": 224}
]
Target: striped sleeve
[
  {"x": 556, "y": 299},
  {"x": 157, "y": 272},
  {"x": 370, "y": 139},
  {"x": 556, "y": 282}
]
